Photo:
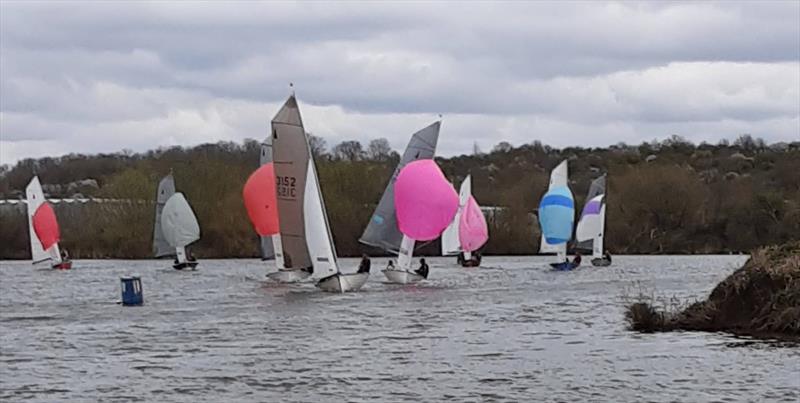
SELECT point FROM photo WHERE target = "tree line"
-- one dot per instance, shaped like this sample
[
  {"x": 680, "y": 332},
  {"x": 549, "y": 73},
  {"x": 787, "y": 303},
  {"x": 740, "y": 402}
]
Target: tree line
[{"x": 670, "y": 196}]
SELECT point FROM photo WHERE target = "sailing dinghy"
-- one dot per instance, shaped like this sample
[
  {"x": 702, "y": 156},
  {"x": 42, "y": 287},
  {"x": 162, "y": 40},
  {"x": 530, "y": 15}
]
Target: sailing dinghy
[
  {"x": 591, "y": 227},
  {"x": 556, "y": 217},
  {"x": 382, "y": 231},
  {"x": 468, "y": 232},
  {"x": 175, "y": 226},
  {"x": 43, "y": 228},
  {"x": 426, "y": 203},
  {"x": 262, "y": 208},
  {"x": 304, "y": 230}
]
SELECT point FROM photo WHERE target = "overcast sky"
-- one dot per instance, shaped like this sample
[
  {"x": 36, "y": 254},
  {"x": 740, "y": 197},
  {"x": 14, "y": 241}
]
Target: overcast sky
[{"x": 102, "y": 77}]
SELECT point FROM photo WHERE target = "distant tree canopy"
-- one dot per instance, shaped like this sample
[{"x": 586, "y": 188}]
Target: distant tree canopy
[{"x": 663, "y": 197}]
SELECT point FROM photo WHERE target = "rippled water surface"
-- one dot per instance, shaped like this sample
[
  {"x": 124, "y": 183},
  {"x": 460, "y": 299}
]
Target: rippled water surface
[{"x": 508, "y": 331}]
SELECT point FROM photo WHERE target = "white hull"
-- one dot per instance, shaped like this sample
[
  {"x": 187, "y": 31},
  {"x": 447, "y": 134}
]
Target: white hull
[
  {"x": 402, "y": 276},
  {"x": 288, "y": 276},
  {"x": 343, "y": 282}
]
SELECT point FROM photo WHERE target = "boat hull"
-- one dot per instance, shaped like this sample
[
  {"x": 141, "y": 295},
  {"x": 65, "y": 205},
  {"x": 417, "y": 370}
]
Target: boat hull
[
  {"x": 186, "y": 266},
  {"x": 470, "y": 263},
  {"x": 65, "y": 265},
  {"x": 343, "y": 282},
  {"x": 402, "y": 276},
  {"x": 564, "y": 266},
  {"x": 600, "y": 262},
  {"x": 288, "y": 276}
]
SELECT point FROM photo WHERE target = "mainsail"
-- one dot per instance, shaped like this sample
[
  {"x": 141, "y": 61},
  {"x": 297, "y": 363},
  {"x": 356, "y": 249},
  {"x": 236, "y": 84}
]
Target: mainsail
[
  {"x": 557, "y": 213},
  {"x": 590, "y": 230},
  {"x": 166, "y": 188},
  {"x": 450, "y": 243},
  {"x": 42, "y": 225},
  {"x": 267, "y": 249},
  {"x": 304, "y": 230},
  {"x": 382, "y": 230}
]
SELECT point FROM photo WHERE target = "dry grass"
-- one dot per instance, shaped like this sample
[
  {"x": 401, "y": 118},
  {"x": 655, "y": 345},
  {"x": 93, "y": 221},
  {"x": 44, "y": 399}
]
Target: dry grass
[{"x": 763, "y": 297}]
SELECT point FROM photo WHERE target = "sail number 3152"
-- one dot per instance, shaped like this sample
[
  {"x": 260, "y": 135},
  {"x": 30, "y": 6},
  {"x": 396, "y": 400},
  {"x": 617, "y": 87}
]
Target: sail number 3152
[{"x": 286, "y": 186}]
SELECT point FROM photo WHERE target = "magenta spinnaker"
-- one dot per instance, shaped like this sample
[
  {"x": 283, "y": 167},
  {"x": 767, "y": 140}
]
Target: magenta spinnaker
[
  {"x": 472, "y": 229},
  {"x": 424, "y": 200}
]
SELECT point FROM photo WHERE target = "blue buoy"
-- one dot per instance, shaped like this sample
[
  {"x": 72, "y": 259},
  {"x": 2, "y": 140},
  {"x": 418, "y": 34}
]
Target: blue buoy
[{"x": 132, "y": 291}]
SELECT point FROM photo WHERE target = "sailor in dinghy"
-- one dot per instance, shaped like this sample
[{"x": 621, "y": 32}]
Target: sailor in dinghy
[
  {"x": 468, "y": 232},
  {"x": 262, "y": 209},
  {"x": 426, "y": 203},
  {"x": 43, "y": 228},
  {"x": 176, "y": 226},
  {"x": 382, "y": 231},
  {"x": 591, "y": 227},
  {"x": 556, "y": 217},
  {"x": 304, "y": 230}
]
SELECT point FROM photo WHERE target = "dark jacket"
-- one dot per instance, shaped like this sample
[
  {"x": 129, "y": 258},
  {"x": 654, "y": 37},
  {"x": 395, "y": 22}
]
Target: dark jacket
[
  {"x": 423, "y": 270},
  {"x": 364, "y": 266}
]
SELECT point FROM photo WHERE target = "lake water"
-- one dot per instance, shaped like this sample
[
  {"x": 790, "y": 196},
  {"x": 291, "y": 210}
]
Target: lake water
[{"x": 511, "y": 331}]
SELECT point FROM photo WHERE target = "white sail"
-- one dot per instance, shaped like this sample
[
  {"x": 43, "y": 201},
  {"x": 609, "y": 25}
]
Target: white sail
[
  {"x": 558, "y": 177},
  {"x": 277, "y": 248},
  {"x": 35, "y": 196},
  {"x": 178, "y": 222},
  {"x": 597, "y": 249},
  {"x": 450, "y": 240},
  {"x": 405, "y": 254},
  {"x": 590, "y": 227},
  {"x": 318, "y": 232},
  {"x": 450, "y": 243}
]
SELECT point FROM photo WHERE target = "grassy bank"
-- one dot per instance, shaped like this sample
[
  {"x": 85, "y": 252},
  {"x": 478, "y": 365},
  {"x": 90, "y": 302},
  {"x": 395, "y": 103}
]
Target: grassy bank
[{"x": 761, "y": 299}]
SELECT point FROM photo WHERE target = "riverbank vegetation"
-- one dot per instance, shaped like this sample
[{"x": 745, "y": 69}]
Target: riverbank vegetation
[
  {"x": 663, "y": 197},
  {"x": 761, "y": 299}
]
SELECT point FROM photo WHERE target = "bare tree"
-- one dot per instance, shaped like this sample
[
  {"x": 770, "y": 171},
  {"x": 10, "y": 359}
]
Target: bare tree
[
  {"x": 349, "y": 151},
  {"x": 318, "y": 145},
  {"x": 379, "y": 150}
]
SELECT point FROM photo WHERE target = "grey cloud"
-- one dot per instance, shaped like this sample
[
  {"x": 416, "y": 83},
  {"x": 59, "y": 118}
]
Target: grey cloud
[{"x": 547, "y": 70}]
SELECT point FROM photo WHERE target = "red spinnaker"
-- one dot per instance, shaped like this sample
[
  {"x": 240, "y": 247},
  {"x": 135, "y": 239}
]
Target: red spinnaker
[
  {"x": 260, "y": 200},
  {"x": 46, "y": 226}
]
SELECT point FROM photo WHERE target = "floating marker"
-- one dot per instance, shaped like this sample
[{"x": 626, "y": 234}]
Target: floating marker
[{"x": 132, "y": 291}]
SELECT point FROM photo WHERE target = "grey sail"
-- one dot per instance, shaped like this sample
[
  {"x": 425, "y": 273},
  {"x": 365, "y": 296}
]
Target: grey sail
[
  {"x": 290, "y": 157},
  {"x": 166, "y": 188},
  {"x": 267, "y": 250},
  {"x": 382, "y": 231},
  {"x": 598, "y": 187}
]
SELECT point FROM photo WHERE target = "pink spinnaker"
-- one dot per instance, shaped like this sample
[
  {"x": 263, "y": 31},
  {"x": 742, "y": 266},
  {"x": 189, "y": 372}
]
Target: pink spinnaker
[
  {"x": 424, "y": 200},
  {"x": 472, "y": 229}
]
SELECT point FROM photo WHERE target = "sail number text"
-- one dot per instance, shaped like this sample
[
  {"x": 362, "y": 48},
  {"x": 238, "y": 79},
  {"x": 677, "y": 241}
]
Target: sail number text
[{"x": 286, "y": 186}]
